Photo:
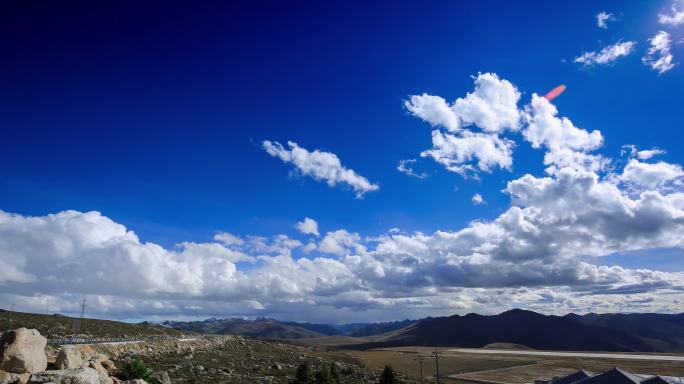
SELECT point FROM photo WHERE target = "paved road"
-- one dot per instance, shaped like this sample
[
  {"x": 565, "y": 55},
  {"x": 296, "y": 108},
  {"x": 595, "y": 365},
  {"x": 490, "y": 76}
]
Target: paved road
[{"x": 624, "y": 356}]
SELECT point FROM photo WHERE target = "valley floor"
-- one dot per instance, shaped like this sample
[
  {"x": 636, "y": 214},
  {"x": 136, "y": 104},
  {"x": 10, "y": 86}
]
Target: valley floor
[{"x": 517, "y": 367}]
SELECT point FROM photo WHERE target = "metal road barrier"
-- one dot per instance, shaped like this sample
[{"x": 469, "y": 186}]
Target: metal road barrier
[{"x": 103, "y": 340}]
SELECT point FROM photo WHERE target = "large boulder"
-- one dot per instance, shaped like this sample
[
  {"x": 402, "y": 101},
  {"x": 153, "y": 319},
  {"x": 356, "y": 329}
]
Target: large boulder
[
  {"x": 66, "y": 376},
  {"x": 69, "y": 357},
  {"x": 13, "y": 378},
  {"x": 101, "y": 372},
  {"x": 23, "y": 351}
]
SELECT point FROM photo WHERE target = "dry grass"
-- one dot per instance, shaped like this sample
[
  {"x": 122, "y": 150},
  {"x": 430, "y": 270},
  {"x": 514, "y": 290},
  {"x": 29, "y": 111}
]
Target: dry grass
[
  {"x": 465, "y": 367},
  {"x": 406, "y": 361},
  {"x": 58, "y": 325}
]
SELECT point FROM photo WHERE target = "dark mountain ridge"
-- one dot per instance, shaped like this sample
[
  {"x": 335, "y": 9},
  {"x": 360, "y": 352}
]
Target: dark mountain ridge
[
  {"x": 516, "y": 326},
  {"x": 380, "y": 328},
  {"x": 591, "y": 332},
  {"x": 664, "y": 332}
]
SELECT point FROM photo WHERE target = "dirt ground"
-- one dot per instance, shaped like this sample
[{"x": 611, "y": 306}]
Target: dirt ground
[{"x": 464, "y": 367}]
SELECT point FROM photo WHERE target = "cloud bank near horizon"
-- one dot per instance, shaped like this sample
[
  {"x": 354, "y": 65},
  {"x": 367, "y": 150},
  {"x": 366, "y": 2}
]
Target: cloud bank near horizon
[{"x": 543, "y": 253}]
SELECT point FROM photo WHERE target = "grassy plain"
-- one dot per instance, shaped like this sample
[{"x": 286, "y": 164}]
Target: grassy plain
[{"x": 465, "y": 367}]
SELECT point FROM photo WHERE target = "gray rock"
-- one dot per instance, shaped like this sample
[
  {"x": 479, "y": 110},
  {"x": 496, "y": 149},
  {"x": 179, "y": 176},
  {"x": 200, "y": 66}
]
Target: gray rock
[
  {"x": 161, "y": 378},
  {"x": 23, "y": 351},
  {"x": 13, "y": 378},
  {"x": 69, "y": 357},
  {"x": 66, "y": 376}
]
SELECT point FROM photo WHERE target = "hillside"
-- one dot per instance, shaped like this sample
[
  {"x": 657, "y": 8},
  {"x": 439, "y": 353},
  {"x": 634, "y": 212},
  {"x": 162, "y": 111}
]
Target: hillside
[
  {"x": 259, "y": 328},
  {"x": 521, "y": 327},
  {"x": 380, "y": 328},
  {"x": 664, "y": 332},
  {"x": 59, "y": 325}
]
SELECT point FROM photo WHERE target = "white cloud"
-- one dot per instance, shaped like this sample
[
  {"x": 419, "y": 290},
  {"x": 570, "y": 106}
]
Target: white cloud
[
  {"x": 470, "y": 152},
  {"x": 674, "y": 17},
  {"x": 433, "y": 110},
  {"x": 606, "y": 55},
  {"x": 308, "y": 227},
  {"x": 649, "y": 153},
  {"x": 542, "y": 241},
  {"x": 602, "y": 19},
  {"x": 492, "y": 107},
  {"x": 544, "y": 252},
  {"x": 567, "y": 145},
  {"x": 406, "y": 167},
  {"x": 650, "y": 176},
  {"x": 228, "y": 239},
  {"x": 341, "y": 243},
  {"x": 658, "y": 56},
  {"x": 477, "y": 199},
  {"x": 545, "y": 129},
  {"x": 321, "y": 166}
]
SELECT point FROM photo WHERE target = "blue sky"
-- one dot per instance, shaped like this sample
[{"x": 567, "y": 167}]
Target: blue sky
[{"x": 154, "y": 114}]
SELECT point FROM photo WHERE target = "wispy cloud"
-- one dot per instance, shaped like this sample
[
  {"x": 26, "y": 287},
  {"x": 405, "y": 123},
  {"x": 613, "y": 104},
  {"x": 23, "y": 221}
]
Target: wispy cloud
[
  {"x": 606, "y": 55},
  {"x": 602, "y": 19},
  {"x": 321, "y": 166},
  {"x": 658, "y": 56},
  {"x": 406, "y": 167},
  {"x": 675, "y": 16},
  {"x": 477, "y": 199}
]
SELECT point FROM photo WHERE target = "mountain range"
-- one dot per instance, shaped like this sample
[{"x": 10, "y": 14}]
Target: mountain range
[
  {"x": 273, "y": 329},
  {"x": 590, "y": 332}
]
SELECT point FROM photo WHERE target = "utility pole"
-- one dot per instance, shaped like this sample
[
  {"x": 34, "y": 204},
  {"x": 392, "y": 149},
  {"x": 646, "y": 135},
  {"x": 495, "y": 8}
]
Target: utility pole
[
  {"x": 10, "y": 314},
  {"x": 436, "y": 354},
  {"x": 420, "y": 363}
]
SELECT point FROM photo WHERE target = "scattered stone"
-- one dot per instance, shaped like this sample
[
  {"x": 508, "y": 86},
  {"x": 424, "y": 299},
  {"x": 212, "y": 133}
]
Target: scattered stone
[
  {"x": 161, "y": 378},
  {"x": 23, "y": 351},
  {"x": 66, "y": 376},
  {"x": 108, "y": 365},
  {"x": 69, "y": 357}
]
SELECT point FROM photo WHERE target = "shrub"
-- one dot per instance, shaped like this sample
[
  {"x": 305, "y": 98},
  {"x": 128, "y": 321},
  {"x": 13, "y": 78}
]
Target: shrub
[
  {"x": 335, "y": 373},
  {"x": 388, "y": 376},
  {"x": 304, "y": 374},
  {"x": 135, "y": 368},
  {"x": 323, "y": 376}
]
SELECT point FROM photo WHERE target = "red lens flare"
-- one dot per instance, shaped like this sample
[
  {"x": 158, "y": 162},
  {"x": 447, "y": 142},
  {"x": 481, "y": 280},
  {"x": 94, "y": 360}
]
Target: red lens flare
[{"x": 555, "y": 92}]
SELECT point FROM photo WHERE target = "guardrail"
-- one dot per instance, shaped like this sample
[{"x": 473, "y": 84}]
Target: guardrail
[{"x": 103, "y": 340}]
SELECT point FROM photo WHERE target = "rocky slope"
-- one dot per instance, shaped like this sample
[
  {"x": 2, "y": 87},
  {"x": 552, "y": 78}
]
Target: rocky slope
[
  {"x": 60, "y": 326},
  {"x": 26, "y": 359}
]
